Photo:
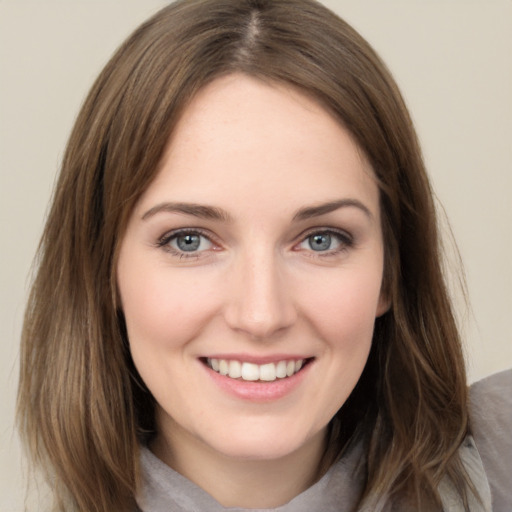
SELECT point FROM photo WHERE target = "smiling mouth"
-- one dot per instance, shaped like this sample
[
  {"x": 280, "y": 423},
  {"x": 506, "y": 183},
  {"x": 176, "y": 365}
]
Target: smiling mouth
[{"x": 251, "y": 372}]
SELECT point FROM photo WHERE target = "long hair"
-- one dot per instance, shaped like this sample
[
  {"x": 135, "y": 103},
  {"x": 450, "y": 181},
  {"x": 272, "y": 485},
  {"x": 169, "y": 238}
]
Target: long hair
[{"x": 82, "y": 409}]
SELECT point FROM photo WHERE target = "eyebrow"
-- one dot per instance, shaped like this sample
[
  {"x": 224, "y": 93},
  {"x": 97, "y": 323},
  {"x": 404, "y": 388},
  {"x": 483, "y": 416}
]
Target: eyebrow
[
  {"x": 214, "y": 213},
  {"x": 196, "y": 210},
  {"x": 322, "y": 209}
]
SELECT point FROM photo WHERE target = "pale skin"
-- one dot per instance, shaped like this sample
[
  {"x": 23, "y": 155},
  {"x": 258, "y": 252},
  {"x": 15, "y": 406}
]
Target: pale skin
[{"x": 259, "y": 241}]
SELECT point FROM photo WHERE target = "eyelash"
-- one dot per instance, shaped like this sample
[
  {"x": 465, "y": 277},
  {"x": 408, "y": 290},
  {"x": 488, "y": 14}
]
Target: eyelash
[
  {"x": 165, "y": 240},
  {"x": 344, "y": 239}
]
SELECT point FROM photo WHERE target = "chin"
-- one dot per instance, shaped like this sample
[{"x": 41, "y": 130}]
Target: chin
[{"x": 264, "y": 442}]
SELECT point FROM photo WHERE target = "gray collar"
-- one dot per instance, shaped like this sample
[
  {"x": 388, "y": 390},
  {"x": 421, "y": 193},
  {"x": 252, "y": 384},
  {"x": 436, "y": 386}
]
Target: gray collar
[{"x": 338, "y": 490}]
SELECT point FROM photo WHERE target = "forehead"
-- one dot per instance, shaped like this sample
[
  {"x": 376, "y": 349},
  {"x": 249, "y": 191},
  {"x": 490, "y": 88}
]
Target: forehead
[{"x": 244, "y": 138}]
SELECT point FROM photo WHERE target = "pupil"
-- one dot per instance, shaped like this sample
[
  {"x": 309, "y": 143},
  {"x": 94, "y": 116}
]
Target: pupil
[
  {"x": 320, "y": 242},
  {"x": 188, "y": 242}
]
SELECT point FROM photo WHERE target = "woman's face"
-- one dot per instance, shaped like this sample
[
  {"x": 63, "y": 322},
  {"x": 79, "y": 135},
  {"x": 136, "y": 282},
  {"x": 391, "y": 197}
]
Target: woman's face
[{"x": 250, "y": 273}]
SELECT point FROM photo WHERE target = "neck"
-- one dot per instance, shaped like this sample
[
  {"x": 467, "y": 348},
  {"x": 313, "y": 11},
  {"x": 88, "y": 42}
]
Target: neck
[{"x": 245, "y": 483}]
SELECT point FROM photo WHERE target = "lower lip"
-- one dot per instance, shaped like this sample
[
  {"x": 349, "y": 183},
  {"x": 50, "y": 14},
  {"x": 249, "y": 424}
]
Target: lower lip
[{"x": 259, "y": 391}]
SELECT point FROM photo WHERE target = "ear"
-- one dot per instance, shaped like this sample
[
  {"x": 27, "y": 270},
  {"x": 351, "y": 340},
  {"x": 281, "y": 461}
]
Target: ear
[{"x": 384, "y": 304}]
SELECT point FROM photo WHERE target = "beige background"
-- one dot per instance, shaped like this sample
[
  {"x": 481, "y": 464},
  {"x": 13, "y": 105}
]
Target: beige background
[{"x": 452, "y": 59}]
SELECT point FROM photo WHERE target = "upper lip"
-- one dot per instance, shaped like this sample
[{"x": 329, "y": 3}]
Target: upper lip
[{"x": 258, "y": 359}]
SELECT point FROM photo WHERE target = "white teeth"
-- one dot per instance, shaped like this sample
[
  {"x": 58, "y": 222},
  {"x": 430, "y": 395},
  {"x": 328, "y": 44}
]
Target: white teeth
[
  {"x": 252, "y": 372},
  {"x": 268, "y": 372},
  {"x": 223, "y": 367},
  {"x": 281, "y": 370},
  {"x": 235, "y": 369}
]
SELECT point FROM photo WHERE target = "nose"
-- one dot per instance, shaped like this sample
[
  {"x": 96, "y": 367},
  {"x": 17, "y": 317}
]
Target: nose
[{"x": 260, "y": 302}]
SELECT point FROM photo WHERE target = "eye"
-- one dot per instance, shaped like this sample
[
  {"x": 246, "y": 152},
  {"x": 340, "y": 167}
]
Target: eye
[
  {"x": 185, "y": 243},
  {"x": 190, "y": 242},
  {"x": 320, "y": 241},
  {"x": 326, "y": 241}
]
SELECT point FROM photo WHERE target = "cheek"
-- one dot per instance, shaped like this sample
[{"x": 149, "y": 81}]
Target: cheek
[
  {"x": 162, "y": 307},
  {"x": 345, "y": 306}
]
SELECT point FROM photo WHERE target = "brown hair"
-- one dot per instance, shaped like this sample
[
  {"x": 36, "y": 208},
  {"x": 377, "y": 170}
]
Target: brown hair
[{"x": 82, "y": 409}]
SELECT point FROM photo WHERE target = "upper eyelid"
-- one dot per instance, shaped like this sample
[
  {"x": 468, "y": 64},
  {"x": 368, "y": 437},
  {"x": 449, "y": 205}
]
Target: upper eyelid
[
  {"x": 168, "y": 235},
  {"x": 337, "y": 231}
]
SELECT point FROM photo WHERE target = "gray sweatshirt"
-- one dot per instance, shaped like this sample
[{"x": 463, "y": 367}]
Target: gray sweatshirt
[{"x": 486, "y": 454}]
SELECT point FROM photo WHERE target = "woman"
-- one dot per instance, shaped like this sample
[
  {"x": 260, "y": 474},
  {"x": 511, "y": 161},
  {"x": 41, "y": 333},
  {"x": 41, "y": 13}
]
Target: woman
[{"x": 239, "y": 300}]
